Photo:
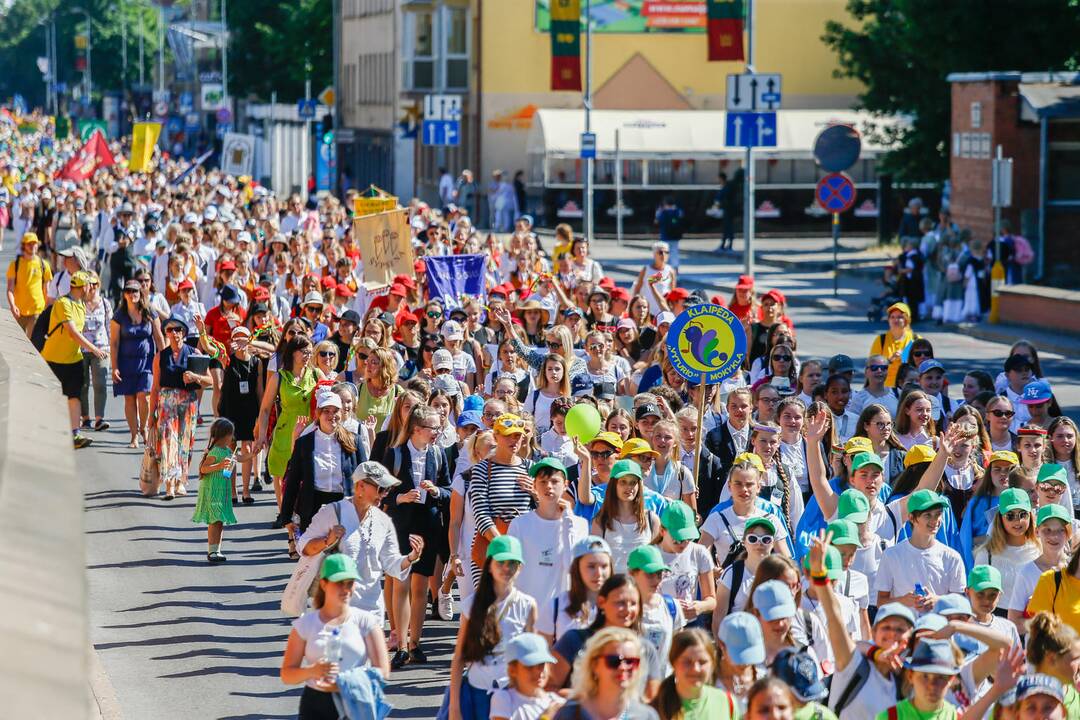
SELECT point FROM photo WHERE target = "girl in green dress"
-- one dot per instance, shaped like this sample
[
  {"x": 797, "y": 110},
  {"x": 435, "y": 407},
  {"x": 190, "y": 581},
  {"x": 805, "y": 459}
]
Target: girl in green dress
[{"x": 214, "y": 504}]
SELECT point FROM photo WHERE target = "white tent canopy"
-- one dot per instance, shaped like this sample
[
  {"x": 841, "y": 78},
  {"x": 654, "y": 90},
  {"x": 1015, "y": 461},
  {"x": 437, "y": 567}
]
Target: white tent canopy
[{"x": 689, "y": 134}]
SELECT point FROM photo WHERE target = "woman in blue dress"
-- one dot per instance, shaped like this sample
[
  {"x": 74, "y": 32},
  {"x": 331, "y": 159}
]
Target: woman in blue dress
[{"x": 134, "y": 338}]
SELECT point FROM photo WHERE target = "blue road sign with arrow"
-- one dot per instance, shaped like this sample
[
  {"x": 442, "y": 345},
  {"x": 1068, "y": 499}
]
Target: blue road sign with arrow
[{"x": 749, "y": 129}]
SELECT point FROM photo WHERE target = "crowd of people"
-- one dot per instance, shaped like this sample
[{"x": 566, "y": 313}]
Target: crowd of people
[{"x": 804, "y": 548}]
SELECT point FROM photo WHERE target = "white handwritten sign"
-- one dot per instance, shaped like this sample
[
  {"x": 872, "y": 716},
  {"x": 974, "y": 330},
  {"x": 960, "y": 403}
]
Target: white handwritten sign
[{"x": 385, "y": 245}]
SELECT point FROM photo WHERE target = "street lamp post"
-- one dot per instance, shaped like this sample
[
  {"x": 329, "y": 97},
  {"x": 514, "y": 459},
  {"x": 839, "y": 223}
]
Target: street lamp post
[
  {"x": 589, "y": 168},
  {"x": 87, "y": 75}
]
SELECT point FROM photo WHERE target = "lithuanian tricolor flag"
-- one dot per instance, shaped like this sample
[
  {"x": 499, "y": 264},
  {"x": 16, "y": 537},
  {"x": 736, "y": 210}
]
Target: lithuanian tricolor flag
[
  {"x": 725, "y": 27},
  {"x": 566, "y": 45}
]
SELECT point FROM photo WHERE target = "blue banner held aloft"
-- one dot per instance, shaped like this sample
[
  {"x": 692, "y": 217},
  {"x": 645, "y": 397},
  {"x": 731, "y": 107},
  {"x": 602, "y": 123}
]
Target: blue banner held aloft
[{"x": 451, "y": 277}]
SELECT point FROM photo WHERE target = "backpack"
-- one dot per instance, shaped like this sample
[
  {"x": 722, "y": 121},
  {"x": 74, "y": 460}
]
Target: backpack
[
  {"x": 672, "y": 609},
  {"x": 736, "y": 551},
  {"x": 738, "y": 568},
  {"x": 41, "y": 331},
  {"x": 1023, "y": 254}
]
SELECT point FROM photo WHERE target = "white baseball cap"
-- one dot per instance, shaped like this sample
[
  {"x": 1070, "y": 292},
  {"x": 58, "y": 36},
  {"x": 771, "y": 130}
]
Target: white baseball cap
[{"x": 442, "y": 359}]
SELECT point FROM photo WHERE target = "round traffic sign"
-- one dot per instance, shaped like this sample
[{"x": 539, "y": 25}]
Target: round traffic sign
[
  {"x": 224, "y": 116},
  {"x": 161, "y": 109},
  {"x": 837, "y": 148},
  {"x": 835, "y": 192}
]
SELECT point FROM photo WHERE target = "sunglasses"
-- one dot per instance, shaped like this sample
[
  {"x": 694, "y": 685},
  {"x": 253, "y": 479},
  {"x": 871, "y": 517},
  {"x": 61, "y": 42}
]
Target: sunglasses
[
  {"x": 327, "y": 353},
  {"x": 432, "y": 314},
  {"x": 1002, "y": 413},
  {"x": 782, "y": 358},
  {"x": 554, "y": 345},
  {"x": 1051, "y": 488},
  {"x": 758, "y": 539},
  {"x": 509, "y": 424},
  {"x": 430, "y": 348},
  {"x": 1015, "y": 515},
  {"x": 175, "y": 329},
  {"x": 615, "y": 662},
  {"x": 601, "y": 454},
  {"x": 877, "y": 368},
  {"x": 921, "y": 353},
  {"x": 383, "y": 492},
  {"x": 594, "y": 346}
]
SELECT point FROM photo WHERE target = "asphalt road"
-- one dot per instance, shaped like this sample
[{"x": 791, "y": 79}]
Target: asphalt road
[{"x": 179, "y": 638}]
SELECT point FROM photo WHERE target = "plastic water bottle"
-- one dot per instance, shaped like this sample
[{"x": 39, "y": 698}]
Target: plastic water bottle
[
  {"x": 332, "y": 652},
  {"x": 919, "y": 589}
]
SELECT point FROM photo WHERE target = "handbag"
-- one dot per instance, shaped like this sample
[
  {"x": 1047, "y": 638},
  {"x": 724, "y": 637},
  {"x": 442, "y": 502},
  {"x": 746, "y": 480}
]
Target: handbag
[
  {"x": 480, "y": 543},
  {"x": 150, "y": 469},
  {"x": 294, "y": 598}
]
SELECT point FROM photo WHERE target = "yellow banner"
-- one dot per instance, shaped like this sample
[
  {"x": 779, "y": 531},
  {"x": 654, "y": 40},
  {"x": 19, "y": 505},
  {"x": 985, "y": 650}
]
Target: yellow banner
[
  {"x": 144, "y": 137},
  {"x": 566, "y": 10},
  {"x": 363, "y": 206},
  {"x": 385, "y": 245}
]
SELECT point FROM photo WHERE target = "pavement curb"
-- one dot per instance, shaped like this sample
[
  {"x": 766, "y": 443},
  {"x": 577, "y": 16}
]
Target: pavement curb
[
  {"x": 104, "y": 704},
  {"x": 1067, "y": 345}
]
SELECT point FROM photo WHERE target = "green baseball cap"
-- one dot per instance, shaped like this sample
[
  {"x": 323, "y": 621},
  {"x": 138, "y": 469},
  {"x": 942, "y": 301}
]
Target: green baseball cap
[
  {"x": 853, "y": 506},
  {"x": 1013, "y": 499},
  {"x": 923, "y": 500},
  {"x": 762, "y": 520},
  {"x": 864, "y": 458},
  {"x": 504, "y": 548},
  {"x": 625, "y": 467},
  {"x": 984, "y": 577},
  {"x": 548, "y": 462},
  {"x": 646, "y": 558},
  {"x": 338, "y": 567},
  {"x": 834, "y": 564},
  {"x": 1052, "y": 472},
  {"x": 1053, "y": 511},
  {"x": 845, "y": 532},
  {"x": 678, "y": 519}
]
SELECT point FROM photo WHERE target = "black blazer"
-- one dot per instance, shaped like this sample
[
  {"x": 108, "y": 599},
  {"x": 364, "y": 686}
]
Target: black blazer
[
  {"x": 720, "y": 443},
  {"x": 430, "y": 514},
  {"x": 710, "y": 481},
  {"x": 299, "y": 491}
]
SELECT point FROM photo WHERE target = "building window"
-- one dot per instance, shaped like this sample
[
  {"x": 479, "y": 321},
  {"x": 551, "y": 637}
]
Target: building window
[
  {"x": 1063, "y": 170},
  {"x": 435, "y": 48}
]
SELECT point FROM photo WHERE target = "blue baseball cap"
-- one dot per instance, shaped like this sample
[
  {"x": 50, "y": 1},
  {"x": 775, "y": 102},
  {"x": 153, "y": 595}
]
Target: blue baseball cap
[
  {"x": 800, "y": 672},
  {"x": 1035, "y": 392},
  {"x": 895, "y": 609},
  {"x": 743, "y": 641},
  {"x": 529, "y": 649},
  {"x": 470, "y": 418},
  {"x": 933, "y": 656},
  {"x": 927, "y": 365},
  {"x": 473, "y": 403},
  {"x": 953, "y": 604},
  {"x": 589, "y": 545},
  {"x": 1040, "y": 684},
  {"x": 229, "y": 293},
  {"x": 931, "y": 621},
  {"x": 773, "y": 600},
  {"x": 581, "y": 385}
]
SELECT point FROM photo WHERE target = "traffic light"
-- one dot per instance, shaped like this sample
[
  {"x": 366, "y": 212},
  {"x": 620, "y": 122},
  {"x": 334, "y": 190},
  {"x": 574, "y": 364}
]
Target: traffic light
[{"x": 328, "y": 137}]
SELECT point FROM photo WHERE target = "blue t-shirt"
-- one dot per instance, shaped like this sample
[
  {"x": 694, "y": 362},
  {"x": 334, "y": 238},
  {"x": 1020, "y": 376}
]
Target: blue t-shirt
[{"x": 654, "y": 502}]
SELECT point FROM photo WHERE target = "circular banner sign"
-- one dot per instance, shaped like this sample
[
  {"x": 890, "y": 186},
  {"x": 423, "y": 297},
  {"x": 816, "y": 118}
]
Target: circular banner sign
[{"x": 706, "y": 344}]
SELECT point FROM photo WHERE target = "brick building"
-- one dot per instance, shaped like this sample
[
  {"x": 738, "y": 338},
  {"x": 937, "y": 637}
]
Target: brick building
[{"x": 1035, "y": 118}]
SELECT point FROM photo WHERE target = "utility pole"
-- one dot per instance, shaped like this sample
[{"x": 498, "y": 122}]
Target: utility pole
[
  {"x": 224, "y": 53},
  {"x": 748, "y": 191},
  {"x": 161, "y": 49},
  {"x": 588, "y": 184}
]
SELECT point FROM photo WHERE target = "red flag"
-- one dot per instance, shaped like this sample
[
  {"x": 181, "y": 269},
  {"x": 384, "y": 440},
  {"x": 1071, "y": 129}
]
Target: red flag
[
  {"x": 91, "y": 157},
  {"x": 725, "y": 40}
]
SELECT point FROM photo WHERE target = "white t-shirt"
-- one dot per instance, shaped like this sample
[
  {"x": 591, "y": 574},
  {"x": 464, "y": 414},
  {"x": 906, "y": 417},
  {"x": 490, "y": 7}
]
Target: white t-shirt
[
  {"x": 552, "y": 618},
  {"x": 658, "y": 626},
  {"x": 859, "y": 400},
  {"x": 742, "y": 593},
  {"x": 876, "y": 695},
  {"x": 1009, "y": 563},
  {"x": 793, "y": 458},
  {"x": 355, "y": 628},
  {"x": 468, "y": 530},
  {"x": 854, "y": 584},
  {"x": 848, "y": 611},
  {"x": 807, "y": 629},
  {"x": 539, "y": 405},
  {"x": 560, "y": 447},
  {"x": 509, "y": 703},
  {"x": 938, "y": 569},
  {"x": 681, "y": 580},
  {"x": 725, "y": 534},
  {"x": 547, "y": 546},
  {"x": 513, "y": 614},
  {"x": 1023, "y": 587},
  {"x": 463, "y": 365}
]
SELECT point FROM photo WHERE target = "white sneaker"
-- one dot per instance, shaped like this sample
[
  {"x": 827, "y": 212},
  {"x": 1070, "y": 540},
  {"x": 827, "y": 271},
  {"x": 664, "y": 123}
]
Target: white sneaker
[{"x": 446, "y": 606}]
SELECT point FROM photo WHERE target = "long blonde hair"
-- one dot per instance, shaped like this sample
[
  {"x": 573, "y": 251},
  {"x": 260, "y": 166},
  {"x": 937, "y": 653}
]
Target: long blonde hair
[
  {"x": 999, "y": 538},
  {"x": 584, "y": 684}
]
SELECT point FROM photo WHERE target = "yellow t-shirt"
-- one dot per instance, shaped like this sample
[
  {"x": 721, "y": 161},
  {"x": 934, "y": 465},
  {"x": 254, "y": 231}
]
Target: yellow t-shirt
[
  {"x": 559, "y": 251},
  {"x": 60, "y": 347},
  {"x": 1066, "y": 605},
  {"x": 29, "y": 289},
  {"x": 889, "y": 348}
]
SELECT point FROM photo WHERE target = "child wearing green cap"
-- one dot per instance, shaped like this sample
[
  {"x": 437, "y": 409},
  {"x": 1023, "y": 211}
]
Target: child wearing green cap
[
  {"x": 690, "y": 578},
  {"x": 661, "y": 615},
  {"x": 623, "y": 519},
  {"x": 1054, "y": 529},
  {"x": 734, "y": 582},
  {"x": 984, "y": 591},
  {"x": 1012, "y": 543}
]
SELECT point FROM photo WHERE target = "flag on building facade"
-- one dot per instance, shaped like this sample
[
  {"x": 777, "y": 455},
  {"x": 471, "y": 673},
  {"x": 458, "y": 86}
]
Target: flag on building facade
[
  {"x": 566, "y": 45},
  {"x": 725, "y": 29},
  {"x": 91, "y": 157}
]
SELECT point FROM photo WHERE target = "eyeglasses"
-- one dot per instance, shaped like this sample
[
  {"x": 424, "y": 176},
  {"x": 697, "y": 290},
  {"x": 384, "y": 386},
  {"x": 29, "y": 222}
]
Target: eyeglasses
[
  {"x": 758, "y": 539},
  {"x": 782, "y": 358},
  {"x": 554, "y": 345},
  {"x": 601, "y": 454},
  {"x": 383, "y": 492},
  {"x": 877, "y": 368},
  {"x": 433, "y": 428},
  {"x": 362, "y": 356},
  {"x": 1051, "y": 488},
  {"x": 615, "y": 662},
  {"x": 327, "y": 353},
  {"x": 1002, "y": 413},
  {"x": 769, "y": 400},
  {"x": 175, "y": 329},
  {"x": 921, "y": 353},
  {"x": 1015, "y": 515},
  {"x": 883, "y": 426}
]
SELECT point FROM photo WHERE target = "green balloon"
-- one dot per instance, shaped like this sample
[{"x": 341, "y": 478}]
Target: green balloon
[{"x": 583, "y": 422}]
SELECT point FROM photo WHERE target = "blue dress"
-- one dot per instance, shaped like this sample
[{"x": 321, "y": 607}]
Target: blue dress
[{"x": 135, "y": 356}]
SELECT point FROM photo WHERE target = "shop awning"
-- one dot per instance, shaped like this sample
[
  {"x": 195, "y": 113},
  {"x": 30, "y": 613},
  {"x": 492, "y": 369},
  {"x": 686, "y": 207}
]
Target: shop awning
[{"x": 674, "y": 134}]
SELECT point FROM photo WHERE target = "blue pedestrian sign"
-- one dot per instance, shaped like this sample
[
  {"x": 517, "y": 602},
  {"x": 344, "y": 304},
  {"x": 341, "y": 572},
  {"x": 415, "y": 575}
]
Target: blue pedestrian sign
[
  {"x": 588, "y": 146},
  {"x": 750, "y": 129},
  {"x": 835, "y": 192},
  {"x": 442, "y": 132},
  {"x": 306, "y": 108}
]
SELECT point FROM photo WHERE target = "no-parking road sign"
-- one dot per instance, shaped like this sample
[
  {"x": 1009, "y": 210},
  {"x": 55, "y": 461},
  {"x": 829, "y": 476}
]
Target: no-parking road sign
[{"x": 835, "y": 192}]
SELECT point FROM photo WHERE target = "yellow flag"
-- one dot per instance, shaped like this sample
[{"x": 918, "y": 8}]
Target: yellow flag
[{"x": 143, "y": 139}]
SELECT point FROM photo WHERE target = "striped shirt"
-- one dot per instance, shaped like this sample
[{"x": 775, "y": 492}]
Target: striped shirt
[{"x": 494, "y": 493}]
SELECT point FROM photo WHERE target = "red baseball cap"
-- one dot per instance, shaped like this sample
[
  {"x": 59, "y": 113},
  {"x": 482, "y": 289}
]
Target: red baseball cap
[
  {"x": 607, "y": 282},
  {"x": 677, "y": 294},
  {"x": 407, "y": 317},
  {"x": 227, "y": 265},
  {"x": 776, "y": 296},
  {"x": 260, "y": 293},
  {"x": 380, "y": 302},
  {"x": 398, "y": 289},
  {"x": 328, "y": 282},
  {"x": 186, "y": 285},
  {"x": 419, "y": 266},
  {"x": 406, "y": 281},
  {"x": 716, "y": 300},
  {"x": 619, "y": 293},
  {"x": 745, "y": 281},
  {"x": 498, "y": 290},
  {"x": 343, "y": 290}
]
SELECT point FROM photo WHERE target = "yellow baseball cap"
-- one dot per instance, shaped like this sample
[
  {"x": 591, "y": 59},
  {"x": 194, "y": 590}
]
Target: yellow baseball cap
[
  {"x": 858, "y": 444},
  {"x": 509, "y": 424},
  {"x": 1003, "y": 456},
  {"x": 30, "y": 237},
  {"x": 610, "y": 438},
  {"x": 899, "y": 307},
  {"x": 919, "y": 454},
  {"x": 637, "y": 446},
  {"x": 80, "y": 279},
  {"x": 752, "y": 458}
]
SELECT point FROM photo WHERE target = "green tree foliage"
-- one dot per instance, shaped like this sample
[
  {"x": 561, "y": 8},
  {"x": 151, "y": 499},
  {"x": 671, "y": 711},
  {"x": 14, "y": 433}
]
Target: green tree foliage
[
  {"x": 273, "y": 41},
  {"x": 902, "y": 51}
]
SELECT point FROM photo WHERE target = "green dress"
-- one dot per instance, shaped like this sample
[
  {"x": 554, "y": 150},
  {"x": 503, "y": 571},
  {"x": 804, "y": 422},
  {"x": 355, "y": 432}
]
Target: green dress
[
  {"x": 712, "y": 704},
  {"x": 295, "y": 396},
  {"x": 214, "y": 503}
]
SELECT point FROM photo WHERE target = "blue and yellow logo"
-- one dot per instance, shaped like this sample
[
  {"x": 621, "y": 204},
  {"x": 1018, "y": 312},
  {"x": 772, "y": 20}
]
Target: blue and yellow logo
[{"x": 706, "y": 344}]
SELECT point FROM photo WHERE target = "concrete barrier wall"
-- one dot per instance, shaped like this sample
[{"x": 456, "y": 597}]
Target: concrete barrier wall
[
  {"x": 1041, "y": 307},
  {"x": 43, "y": 615}
]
